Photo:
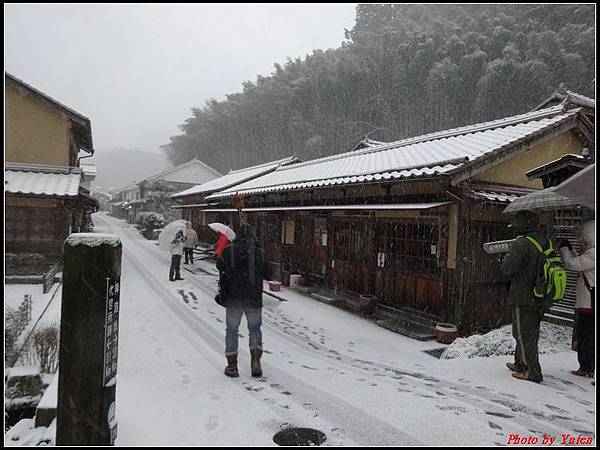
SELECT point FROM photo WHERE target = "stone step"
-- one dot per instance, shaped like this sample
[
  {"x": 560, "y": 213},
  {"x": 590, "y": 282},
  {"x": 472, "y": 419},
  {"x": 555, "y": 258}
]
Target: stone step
[
  {"x": 408, "y": 328},
  {"x": 562, "y": 311},
  {"x": 558, "y": 320},
  {"x": 45, "y": 412},
  {"x": 418, "y": 317},
  {"x": 327, "y": 299},
  {"x": 308, "y": 290}
]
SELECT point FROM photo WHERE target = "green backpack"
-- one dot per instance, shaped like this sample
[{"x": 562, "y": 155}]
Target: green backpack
[{"x": 552, "y": 280}]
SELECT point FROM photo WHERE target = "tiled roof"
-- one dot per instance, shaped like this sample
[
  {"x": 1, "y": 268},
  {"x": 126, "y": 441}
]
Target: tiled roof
[
  {"x": 430, "y": 155},
  {"x": 576, "y": 99},
  {"x": 40, "y": 183},
  {"x": 498, "y": 193},
  {"x": 235, "y": 177},
  {"x": 88, "y": 169}
]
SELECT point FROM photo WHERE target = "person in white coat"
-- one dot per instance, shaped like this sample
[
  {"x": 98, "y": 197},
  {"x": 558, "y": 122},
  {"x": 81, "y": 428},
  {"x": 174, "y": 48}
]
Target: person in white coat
[
  {"x": 585, "y": 298},
  {"x": 191, "y": 241}
]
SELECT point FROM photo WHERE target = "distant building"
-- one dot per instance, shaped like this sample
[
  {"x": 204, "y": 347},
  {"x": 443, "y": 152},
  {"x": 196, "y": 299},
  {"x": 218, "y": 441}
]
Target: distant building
[
  {"x": 44, "y": 191},
  {"x": 152, "y": 194},
  {"x": 191, "y": 202}
]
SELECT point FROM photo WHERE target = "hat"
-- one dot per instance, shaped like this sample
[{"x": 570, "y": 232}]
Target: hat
[{"x": 524, "y": 221}]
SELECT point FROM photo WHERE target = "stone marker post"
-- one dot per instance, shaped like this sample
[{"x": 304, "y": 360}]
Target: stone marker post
[{"x": 88, "y": 340}]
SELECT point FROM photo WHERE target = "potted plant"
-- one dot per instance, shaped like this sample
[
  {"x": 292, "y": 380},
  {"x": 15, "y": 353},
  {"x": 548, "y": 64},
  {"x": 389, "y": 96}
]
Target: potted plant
[
  {"x": 274, "y": 286},
  {"x": 446, "y": 333},
  {"x": 368, "y": 303}
]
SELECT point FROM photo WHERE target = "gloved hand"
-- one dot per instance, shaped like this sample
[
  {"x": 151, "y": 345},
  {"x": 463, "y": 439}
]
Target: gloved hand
[{"x": 560, "y": 243}]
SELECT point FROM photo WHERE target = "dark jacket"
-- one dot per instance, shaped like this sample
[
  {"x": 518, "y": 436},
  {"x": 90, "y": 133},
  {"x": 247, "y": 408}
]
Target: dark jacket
[
  {"x": 522, "y": 264},
  {"x": 242, "y": 268}
]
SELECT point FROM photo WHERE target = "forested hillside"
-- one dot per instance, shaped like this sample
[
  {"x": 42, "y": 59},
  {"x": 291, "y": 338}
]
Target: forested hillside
[{"x": 403, "y": 70}]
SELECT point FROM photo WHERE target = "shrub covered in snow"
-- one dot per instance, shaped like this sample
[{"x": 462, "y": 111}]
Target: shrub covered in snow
[
  {"x": 553, "y": 339},
  {"x": 42, "y": 348},
  {"x": 147, "y": 222}
]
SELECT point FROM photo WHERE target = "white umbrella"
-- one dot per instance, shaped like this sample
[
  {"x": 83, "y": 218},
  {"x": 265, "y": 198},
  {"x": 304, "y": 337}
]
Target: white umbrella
[
  {"x": 581, "y": 187},
  {"x": 222, "y": 228},
  {"x": 168, "y": 233},
  {"x": 539, "y": 201}
]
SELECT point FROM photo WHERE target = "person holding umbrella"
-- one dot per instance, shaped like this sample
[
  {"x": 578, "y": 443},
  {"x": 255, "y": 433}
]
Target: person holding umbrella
[
  {"x": 242, "y": 268},
  {"x": 226, "y": 235},
  {"x": 585, "y": 296},
  {"x": 521, "y": 264},
  {"x": 176, "y": 247}
]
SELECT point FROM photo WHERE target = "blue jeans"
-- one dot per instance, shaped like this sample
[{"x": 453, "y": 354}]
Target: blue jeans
[{"x": 233, "y": 317}]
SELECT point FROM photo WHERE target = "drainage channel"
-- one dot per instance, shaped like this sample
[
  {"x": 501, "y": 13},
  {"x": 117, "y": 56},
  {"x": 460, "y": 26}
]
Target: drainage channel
[
  {"x": 299, "y": 437},
  {"x": 435, "y": 352}
]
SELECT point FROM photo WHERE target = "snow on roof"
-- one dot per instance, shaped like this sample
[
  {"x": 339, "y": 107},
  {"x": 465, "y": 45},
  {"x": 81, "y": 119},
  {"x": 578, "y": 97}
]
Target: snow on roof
[
  {"x": 88, "y": 169},
  {"x": 235, "y": 177},
  {"x": 42, "y": 183},
  {"x": 422, "y": 156},
  {"x": 192, "y": 162},
  {"x": 366, "y": 207},
  {"x": 576, "y": 99},
  {"x": 93, "y": 239}
]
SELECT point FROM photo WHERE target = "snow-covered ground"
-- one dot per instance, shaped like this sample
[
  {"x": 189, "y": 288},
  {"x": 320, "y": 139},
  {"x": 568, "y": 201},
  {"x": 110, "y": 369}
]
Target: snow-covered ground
[
  {"x": 45, "y": 307},
  {"x": 324, "y": 368}
]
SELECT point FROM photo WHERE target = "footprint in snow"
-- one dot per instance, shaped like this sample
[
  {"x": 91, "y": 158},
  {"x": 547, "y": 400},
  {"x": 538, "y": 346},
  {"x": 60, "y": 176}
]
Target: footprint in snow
[
  {"x": 494, "y": 426},
  {"x": 214, "y": 396},
  {"x": 185, "y": 379},
  {"x": 556, "y": 408},
  {"x": 213, "y": 423}
]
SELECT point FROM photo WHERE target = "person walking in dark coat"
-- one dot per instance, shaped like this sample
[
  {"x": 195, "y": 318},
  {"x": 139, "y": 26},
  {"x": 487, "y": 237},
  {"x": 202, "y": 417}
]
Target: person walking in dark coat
[
  {"x": 522, "y": 264},
  {"x": 585, "y": 296},
  {"x": 242, "y": 268}
]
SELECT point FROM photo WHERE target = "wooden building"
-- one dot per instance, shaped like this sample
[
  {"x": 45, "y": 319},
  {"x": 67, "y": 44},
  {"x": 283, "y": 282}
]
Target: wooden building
[
  {"x": 152, "y": 194},
  {"x": 45, "y": 199},
  {"x": 191, "y": 202},
  {"x": 405, "y": 221}
]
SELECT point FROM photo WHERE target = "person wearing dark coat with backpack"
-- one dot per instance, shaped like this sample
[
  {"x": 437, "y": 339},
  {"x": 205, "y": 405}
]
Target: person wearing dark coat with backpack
[
  {"x": 522, "y": 265},
  {"x": 242, "y": 269}
]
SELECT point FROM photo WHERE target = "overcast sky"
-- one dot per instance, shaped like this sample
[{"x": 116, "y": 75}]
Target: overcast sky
[{"x": 137, "y": 70}]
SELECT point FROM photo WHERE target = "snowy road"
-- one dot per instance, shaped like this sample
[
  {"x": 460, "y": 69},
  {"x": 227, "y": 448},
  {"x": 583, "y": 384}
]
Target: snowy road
[{"x": 324, "y": 368}]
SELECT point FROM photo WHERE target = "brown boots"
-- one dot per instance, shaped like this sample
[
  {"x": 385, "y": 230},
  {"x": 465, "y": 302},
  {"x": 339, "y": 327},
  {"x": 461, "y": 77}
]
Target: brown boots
[
  {"x": 232, "y": 369},
  {"x": 255, "y": 354}
]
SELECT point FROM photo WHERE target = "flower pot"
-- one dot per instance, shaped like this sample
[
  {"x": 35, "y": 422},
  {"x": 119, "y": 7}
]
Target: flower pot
[
  {"x": 295, "y": 280},
  {"x": 274, "y": 286},
  {"x": 368, "y": 303},
  {"x": 446, "y": 333}
]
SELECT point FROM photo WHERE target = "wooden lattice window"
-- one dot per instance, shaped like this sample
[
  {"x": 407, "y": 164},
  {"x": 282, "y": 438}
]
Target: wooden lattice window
[
  {"x": 353, "y": 241},
  {"x": 408, "y": 247}
]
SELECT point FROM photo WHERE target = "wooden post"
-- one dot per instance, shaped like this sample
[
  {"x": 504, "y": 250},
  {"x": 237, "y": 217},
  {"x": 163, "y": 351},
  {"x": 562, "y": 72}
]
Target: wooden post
[{"x": 88, "y": 340}]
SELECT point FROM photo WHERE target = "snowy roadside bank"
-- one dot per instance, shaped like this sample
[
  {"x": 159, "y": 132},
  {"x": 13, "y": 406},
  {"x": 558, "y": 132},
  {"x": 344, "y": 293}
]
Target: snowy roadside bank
[{"x": 553, "y": 339}]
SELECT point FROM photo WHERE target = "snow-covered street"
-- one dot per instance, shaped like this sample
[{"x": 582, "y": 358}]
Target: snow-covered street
[{"x": 324, "y": 368}]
